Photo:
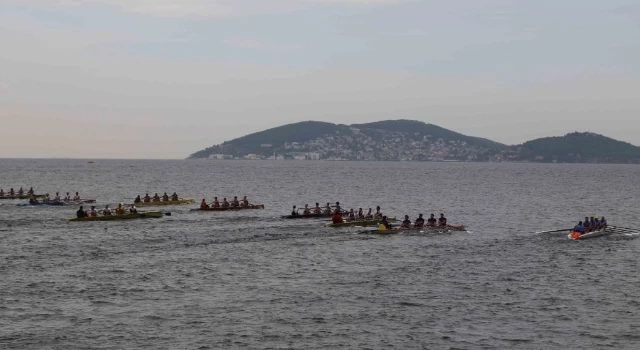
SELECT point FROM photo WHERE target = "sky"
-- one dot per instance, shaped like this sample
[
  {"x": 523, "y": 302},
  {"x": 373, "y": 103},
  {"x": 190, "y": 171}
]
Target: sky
[{"x": 166, "y": 78}]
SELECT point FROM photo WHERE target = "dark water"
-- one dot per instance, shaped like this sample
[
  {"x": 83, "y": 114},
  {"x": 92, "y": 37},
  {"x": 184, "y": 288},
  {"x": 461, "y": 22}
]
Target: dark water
[{"x": 251, "y": 280}]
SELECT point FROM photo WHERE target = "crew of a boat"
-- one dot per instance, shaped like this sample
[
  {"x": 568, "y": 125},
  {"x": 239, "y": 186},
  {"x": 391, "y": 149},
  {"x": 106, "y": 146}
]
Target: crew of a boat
[
  {"x": 234, "y": 203},
  {"x": 93, "y": 212},
  {"x": 12, "y": 192},
  {"x": 56, "y": 199},
  {"x": 156, "y": 198},
  {"x": 590, "y": 224}
]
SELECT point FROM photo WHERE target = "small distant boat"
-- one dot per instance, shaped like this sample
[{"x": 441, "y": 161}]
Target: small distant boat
[
  {"x": 256, "y": 206},
  {"x": 90, "y": 162},
  {"x": 145, "y": 215}
]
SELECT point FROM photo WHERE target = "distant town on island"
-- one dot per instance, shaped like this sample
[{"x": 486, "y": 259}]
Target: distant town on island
[{"x": 407, "y": 140}]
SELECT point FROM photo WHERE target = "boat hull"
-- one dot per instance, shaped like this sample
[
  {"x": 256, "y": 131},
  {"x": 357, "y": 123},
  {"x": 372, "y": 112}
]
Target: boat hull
[
  {"x": 260, "y": 206},
  {"x": 594, "y": 234},
  {"x": 147, "y": 215},
  {"x": 163, "y": 203},
  {"x": 425, "y": 229},
  {"x": 308, "y": 216},
  {"x": 361, "y": 223}
]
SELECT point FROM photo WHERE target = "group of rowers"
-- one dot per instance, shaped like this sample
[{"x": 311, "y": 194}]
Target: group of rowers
[
  {"x": 590, "y": 224},
  {"x": 13, "y": 193},
  {"x": 235, "y": 203},
  {"x": 67, "y": 198},
  {"x": 156, "y": 198},
  {"x": 120, "y": 210}
]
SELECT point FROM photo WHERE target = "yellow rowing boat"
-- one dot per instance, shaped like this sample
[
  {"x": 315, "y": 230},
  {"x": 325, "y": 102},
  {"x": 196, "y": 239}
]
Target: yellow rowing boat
[{"x": 159, "y": 203}]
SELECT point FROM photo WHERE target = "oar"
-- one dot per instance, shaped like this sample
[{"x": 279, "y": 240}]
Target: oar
[{"x": 554, "y": 231}]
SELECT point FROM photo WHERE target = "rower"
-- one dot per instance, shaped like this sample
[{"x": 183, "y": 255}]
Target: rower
[
  {"x": 235, "y": 202},
  {"x": 337, "y": 217},
  {"x": 579, "y": 228},
  {"x": 156, "y": 198},
  {"x": 30, "y": 191},
  {"x": 1, "y": 192},
  {"x": 386, "y": 223},
  {"x": 137, "y": 200},
  {"x": 593, "y": 223},
  {"x": 442, "y": 221},
  {"x": 216, "y": 202},
  {"x": 245, "y": 202},
  {"x": 597, "y": 223},
  {"x": 406, "y": 223},
  {"x": 80, "y": 213},
  {"x": 174, "y": 196},
  {"x": 57, "y": 197},
  {"x": 294, "y": 212},
  {"x": 317, "y": 210},
  {"x": 147, "y": 199},
  {"x": 165, "y": 197},
  {"x": 33, "y": 200},
  {"x": 133, "y": 209},
  {"x": 369, "y": 215},
  {"x": 360, "y": 214},
  {"x": 67, "y": 197},
  {"x": 306, "y": 210},
  {"x": 327, "y": 209},
  {"x": 338, "y": 207},
  {"x": 603, "y": 222},
  {"x": 76, "y": 197},
  {"x": 587, "y": 224},
  {"x": 419, "y": 222},
  {"x": 225, "y": 203},
  {"x": 120, "y": 210},
  {"x": 20, "y": 191},
  {"x": 352, "y": 215},
  {"x": 107, "y": 210},
  {"x": 203, "y": 204},
  {"x": 45, "y": 200},
  {"x": 378, "y": 214},
  {"x": 12, "y": 192},
  {"x": 94, "y": 212}
]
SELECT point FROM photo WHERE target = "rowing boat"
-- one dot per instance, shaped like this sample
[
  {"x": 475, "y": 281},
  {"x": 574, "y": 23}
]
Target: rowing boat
[
  {"x": 159, "y": 203},
  {"x": 361, "y": 223},
  {"x": 257, "y": 206},
  {"x": 53, "y": 204},
  {"x": 307, "y": 216},
  {"x": 24, "y": 196},
  {"x": 424, "y": 229},
  {"x": 149, "y": 214},
  {"x": 593, "y": 234}
]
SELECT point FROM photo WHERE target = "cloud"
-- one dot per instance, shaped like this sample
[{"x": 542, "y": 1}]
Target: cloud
[{"x": 202, "y": 8}]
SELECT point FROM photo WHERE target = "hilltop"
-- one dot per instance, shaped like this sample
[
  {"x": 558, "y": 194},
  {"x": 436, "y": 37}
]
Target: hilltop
[{"x": 410, "y": 140}]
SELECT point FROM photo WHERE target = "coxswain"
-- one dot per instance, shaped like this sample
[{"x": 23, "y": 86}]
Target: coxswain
[
  {"x": 57, "y": 197},
  {"x": 156, "y": 198},
  {"x": 94, "y": 212},
  {"x": 133, "y": 209},
  {"x": 603, "y": 222},
  {"x": 419, "y": 222},
  {"x": 174, "y": 196},
  {"x": 235, "y": 202},
  {"x": 245, "y": 202},
  {"x": 165, "y": 197},
  {"x": 20, "y": 191},
  {"x": 203, "y": 204},
  {"x": 30, "y": 191},
  {"x": 587, "y": 225},
  {"x": 317, "y": 210},
  {"x": 406, "y": 223},
  {"x": 225, "y": 203},
  {"x": 80, "y": 213},
  {"x": 76, "y": 197},
  {"x": 67, "y": 197},
  {"x": 107, "y": 210},
  {"x": 360, "y": 214},
  {"x": 352, "y": 215},
  {"x": 146, "y": 198},
  {"x": 294, "y": 211},
  {"x": 369, "y": 215},
  {"x": 579, "y": 228},
  {"x": 216, "y": 202},
  {"x": 137, "y": 200},
  {"x": 386, "y": 223},
  {"x": 327, "y": 209},
  {"x": 306, "y": 210},
  {"x": 121, "y": 210},
  {"x": 442, "y": 221},
  {"x": 337, "y": 217},
  {"x": 378, "y": 214}
]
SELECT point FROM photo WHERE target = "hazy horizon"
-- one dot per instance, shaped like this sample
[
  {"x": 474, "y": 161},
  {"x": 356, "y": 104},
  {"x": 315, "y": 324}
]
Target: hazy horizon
[{"x": 162, "y": 79}]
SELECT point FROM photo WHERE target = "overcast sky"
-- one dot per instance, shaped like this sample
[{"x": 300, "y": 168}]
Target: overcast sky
[{"x": 166, "y": 78}]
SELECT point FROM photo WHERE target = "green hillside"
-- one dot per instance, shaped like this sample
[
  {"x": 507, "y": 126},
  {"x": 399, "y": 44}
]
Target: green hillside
[{"x": 580, "y": 147}]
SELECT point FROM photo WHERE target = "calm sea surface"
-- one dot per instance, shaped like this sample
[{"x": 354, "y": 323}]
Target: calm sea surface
[{"x": 251, "y": 280}]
